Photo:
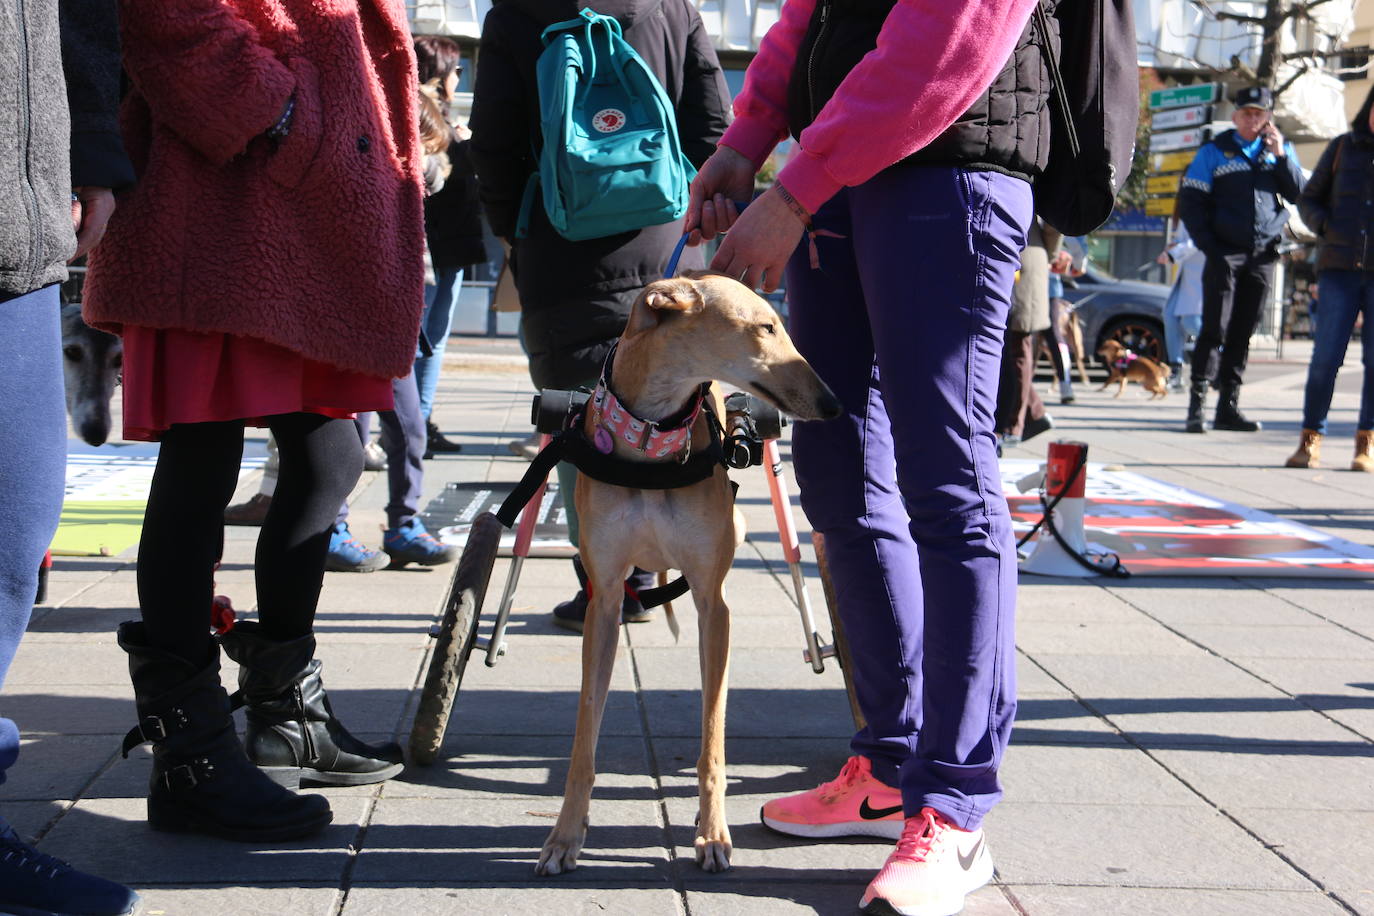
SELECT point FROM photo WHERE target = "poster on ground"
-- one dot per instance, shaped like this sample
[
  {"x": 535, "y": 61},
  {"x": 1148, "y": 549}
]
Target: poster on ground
[
  {"x": 106, "y": 491},
  {"x": 451, "y": 513},
  {"x": 1159, "y": 529}
]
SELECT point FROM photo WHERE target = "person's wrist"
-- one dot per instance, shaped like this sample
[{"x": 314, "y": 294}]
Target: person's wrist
[{"x": 801, "y": 213}]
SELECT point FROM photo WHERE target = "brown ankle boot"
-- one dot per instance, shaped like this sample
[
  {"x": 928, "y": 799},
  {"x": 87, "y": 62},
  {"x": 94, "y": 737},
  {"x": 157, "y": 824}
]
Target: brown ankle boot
[
  {"x": 1364, "y": 451},
  {"x": 1309, "y": 451}
]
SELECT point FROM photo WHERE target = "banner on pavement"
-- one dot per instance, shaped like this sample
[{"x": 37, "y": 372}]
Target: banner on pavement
[
  {"x": 450, "y": 515},
  {"x": 1158, "y": 529},
  {"x": 107, "y": 490}
]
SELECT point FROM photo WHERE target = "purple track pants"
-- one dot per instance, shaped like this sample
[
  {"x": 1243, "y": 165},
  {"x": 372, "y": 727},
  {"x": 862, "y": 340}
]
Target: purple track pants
[{"x": 904, "y": 320}]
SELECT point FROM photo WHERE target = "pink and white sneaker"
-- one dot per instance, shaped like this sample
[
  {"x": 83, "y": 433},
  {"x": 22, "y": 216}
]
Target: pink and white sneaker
[
  {"x": 852, "y": 804},
  {"x": 934, "y": 867}
]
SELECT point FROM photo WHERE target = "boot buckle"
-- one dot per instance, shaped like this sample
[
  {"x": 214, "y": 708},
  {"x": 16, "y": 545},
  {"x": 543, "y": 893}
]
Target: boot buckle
[
  {"x": 185, "y": 776},
  {"x": 154, "y": 729}
]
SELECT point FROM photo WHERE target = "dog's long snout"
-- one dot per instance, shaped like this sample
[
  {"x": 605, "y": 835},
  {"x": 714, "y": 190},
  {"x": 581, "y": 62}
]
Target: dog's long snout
[
  {"x": 796, "y": 389},
  {"x": 828, "y": 407}
]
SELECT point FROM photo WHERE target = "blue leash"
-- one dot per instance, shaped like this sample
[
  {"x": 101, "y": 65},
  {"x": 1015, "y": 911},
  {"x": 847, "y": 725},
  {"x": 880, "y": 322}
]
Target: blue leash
[{"x": 671, "y": 270}]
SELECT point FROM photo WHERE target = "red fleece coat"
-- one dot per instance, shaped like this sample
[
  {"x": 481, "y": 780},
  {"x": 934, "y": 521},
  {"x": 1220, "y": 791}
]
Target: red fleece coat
[{"x": 317, "y": 245}]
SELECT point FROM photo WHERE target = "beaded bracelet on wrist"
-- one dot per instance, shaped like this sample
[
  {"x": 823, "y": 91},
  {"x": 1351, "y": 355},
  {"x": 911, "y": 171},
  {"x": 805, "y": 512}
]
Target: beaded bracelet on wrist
[{"x": 804, "y": 215}]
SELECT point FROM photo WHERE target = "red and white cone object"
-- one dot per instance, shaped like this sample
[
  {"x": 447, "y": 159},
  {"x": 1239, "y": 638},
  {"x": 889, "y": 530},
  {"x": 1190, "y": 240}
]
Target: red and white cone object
[{"x": 1049, "y": 558}]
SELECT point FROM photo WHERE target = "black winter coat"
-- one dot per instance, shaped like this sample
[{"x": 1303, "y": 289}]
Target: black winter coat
[
  {"x": 1006, "y": 130},
  {"x": 575, "y": 296},
  {"x": 453, "y": 214},
  {"x": 1338, "y": 202}
]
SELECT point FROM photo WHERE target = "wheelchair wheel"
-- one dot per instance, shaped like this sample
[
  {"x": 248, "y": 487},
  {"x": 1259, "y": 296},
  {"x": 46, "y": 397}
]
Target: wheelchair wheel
[{"x": 456, "y": 636}]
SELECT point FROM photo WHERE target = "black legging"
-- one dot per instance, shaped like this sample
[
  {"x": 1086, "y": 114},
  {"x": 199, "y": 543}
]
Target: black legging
[{"x": 183, "y": 527}]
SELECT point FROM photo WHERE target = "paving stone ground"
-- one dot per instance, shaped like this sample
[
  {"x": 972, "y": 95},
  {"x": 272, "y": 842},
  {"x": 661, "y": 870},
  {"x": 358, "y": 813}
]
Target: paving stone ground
[{"x": 1184, "y": 745}]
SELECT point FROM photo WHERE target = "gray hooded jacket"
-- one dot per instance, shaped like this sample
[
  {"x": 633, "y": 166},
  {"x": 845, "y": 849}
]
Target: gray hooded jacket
[{"x": 56, "y": 132}]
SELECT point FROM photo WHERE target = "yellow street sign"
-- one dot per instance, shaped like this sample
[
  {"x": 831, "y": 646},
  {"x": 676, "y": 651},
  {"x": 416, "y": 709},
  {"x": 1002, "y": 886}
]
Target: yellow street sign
[
  {"x": 1159, "y": 206},
  {"x": 1162, "y": 184},
  {"x": 1173, "y": 162}
]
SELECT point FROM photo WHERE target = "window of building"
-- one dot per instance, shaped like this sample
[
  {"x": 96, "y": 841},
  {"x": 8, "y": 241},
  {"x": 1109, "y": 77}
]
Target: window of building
[{"x": 1353, "y": 63}]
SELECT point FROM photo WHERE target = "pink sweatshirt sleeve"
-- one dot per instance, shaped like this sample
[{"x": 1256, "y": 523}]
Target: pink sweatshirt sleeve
[
  {"x": 761, "y": 107},
  {"x": 933, "y": 59}
]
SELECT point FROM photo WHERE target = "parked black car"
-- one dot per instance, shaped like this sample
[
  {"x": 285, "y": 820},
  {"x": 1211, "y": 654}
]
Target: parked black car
[{"x": 1129, "y": 311}]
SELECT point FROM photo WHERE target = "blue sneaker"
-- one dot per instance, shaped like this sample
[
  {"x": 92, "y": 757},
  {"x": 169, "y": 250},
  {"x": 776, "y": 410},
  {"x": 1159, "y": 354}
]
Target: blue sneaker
[
  {"x": 348, "y": 554},
  {"x": 411, "y": 543},
  {"x": 34, "y": 884}
]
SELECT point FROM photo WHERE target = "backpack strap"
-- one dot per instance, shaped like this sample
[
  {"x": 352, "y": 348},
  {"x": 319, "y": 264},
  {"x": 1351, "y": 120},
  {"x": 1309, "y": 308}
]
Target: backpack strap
[
  {"x": 531, "y": 194},
  {"x": 522, "y": 224},
  {"x": 1060, "y": 91},
  {"x": 566, "y": 25}
]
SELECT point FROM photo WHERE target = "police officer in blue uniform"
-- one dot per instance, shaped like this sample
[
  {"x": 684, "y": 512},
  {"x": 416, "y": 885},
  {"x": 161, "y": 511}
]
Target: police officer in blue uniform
[{"x": 1230, "y": 202}]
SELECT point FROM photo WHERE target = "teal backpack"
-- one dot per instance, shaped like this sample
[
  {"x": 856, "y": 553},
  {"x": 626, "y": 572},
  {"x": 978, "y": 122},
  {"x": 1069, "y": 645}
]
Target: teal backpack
[{"x": 611, "y": 161}]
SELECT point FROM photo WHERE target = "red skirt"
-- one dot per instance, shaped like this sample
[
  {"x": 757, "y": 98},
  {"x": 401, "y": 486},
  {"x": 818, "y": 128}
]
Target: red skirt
[{"x": 174, "y": 376}]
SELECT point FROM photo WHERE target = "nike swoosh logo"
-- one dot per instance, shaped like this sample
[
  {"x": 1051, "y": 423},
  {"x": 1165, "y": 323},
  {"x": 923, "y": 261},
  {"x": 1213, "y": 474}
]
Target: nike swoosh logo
[
  {"x": 966, "y": 862},
  {"x": 876, "y": 814}
]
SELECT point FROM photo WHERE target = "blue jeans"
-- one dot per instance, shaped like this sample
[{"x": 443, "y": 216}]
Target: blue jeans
[
  {"x": 1345, "y": 294},
  {"x": 31, "y": 400},
  {"x": 436, "y": 321},
  {"x": 1178, "y": 328},
  {"x": 904, "y": 486},
  {"x": 403, "y": 442}
]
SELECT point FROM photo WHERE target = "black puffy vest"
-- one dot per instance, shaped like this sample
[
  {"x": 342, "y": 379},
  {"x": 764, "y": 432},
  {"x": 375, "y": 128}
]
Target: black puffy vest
[{"x": 1006, "y": 130}]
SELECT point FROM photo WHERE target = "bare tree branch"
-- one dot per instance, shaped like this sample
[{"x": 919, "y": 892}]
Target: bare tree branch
[
  {"x": 1278, "y": 90},
  {"x": 1316, "y": 55},
  {"x": 1198, "y": 66},
  {"x": 1265, "y": 32},
  {"x": 1237, "y": 17},
  {"x": 1281, "y": 14},
  {"x": 1305, "y": 9}
]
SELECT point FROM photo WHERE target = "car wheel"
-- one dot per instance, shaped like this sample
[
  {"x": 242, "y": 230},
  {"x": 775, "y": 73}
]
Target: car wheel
[{"x": 1144, "y": 336}]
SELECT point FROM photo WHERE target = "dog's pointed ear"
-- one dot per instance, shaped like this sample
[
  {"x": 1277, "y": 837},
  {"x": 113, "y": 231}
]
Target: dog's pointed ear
[{"x": 660, "y": 300}]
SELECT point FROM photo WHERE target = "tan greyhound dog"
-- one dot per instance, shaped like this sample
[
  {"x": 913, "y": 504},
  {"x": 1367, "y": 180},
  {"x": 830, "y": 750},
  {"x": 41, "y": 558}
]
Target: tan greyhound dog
[{"x": 696, "y": 328}]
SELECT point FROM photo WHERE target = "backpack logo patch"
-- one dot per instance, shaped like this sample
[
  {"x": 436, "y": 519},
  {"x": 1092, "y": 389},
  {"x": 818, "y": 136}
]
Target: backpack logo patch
[{"x": 608, "y": 120}]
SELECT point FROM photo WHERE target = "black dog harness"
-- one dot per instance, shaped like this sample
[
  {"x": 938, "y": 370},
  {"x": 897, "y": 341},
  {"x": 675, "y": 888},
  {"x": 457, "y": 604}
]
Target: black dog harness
[{"x": 600, "y": 464}]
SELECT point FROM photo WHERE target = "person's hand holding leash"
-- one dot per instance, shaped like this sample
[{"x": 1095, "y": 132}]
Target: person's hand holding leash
[
  {"x": 762, "y": 240},
  {"x": 724, "y": 178},
  {"x": 91, "y": 210}
]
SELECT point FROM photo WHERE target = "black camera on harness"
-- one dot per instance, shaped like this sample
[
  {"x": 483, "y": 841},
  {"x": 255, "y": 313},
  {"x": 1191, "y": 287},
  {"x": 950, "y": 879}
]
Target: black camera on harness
[{"x": 748, "y": 421}]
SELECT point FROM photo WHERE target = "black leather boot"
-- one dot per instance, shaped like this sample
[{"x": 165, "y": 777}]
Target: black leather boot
[
  {"x": 202, "y": 782},
  {"x": 1197, "y": 400},
  {"x": 1228, "y": 414},
  {"x": 572, "y": 614},
  {"x": 292, "y": 733},
  {"x": 436, "y": 443}
]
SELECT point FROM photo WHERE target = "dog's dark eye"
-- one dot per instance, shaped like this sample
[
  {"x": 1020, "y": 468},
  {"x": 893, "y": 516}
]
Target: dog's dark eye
[
  {"x": 770, "y": 329},
  {"x": 118, "y": 361},
  {"x": 72, "y": 353}
]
